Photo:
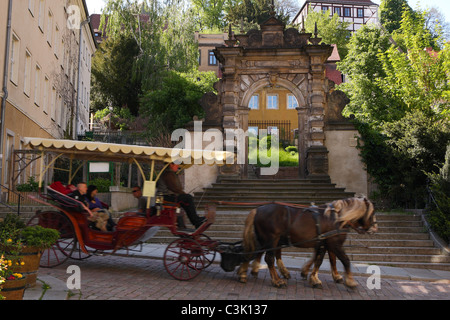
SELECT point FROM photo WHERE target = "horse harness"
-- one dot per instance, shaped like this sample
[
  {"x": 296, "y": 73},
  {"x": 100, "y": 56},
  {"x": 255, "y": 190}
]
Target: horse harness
[{"x": 320, "y": 238}]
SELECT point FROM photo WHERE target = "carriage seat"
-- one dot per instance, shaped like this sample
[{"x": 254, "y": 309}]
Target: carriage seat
[{"x": 67, "y": 202}]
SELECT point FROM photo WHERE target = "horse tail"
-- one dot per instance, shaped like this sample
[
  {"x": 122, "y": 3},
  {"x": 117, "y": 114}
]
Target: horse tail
[{"x": 249, "y": 232}]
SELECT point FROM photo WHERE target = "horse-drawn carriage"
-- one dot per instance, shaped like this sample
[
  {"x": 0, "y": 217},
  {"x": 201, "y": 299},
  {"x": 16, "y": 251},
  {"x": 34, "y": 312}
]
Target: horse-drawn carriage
[
  {"x": 184, "y": 258},
  {"x": 268, "y": 229}
]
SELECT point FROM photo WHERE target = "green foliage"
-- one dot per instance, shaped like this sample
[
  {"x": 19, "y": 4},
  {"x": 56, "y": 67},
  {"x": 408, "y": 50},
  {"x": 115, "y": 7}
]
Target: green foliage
[
  {"x": 287, "y": 157},
  {"x": 164, "y": 39},
  {"x": 362, "y": 67},
  {"x": 331, "y": 30},
  {"x": 439, "y": 211},
  {"x": 37, "y": 236},
  {"x": 253, "y": 11},
  {"x": 210, "y": 14},
  {"x": 113, "y": 81},
  {"x": 400, "y": 99},
  {"x": 391, "y": 13},
  {"x": 101, "y": 184},
  {"x": 176, "y": 101},
  {"x": 31, "y": 186}
]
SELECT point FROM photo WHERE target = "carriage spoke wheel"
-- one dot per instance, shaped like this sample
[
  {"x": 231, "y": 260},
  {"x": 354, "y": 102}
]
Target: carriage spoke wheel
[
  {"x": 60, "y": 251},
  {"x": 208, "y": 248},
  {"x": 77, "y": 253},
  {"x": 184, "y": 259}
]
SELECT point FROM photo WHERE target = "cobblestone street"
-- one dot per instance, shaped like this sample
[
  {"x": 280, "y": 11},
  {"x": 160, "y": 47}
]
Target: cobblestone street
[{"x": 125, "y": 278}]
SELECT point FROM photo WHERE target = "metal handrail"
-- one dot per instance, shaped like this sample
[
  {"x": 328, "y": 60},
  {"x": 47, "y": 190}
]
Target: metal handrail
[{"x": 7, "y": 205}]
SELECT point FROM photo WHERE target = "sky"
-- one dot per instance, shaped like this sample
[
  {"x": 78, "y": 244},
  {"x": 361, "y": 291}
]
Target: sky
[{"x": 95, "y": 6}]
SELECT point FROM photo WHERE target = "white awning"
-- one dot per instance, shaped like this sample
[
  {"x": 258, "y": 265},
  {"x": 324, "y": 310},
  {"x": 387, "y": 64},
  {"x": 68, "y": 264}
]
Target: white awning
[{"x": 99, "y": 151}]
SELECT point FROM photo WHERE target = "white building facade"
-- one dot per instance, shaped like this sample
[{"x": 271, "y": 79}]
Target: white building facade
[{"x": 357, "y": 12}]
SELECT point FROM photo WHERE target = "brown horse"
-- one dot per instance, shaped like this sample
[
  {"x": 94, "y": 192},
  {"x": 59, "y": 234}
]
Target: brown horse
[{"x": 272, "y": 226}]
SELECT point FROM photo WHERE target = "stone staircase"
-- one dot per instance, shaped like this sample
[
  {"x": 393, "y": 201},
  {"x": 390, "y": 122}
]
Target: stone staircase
[
  {"x": 401, "y": 241},
  {"x": 299, "y": 191}
]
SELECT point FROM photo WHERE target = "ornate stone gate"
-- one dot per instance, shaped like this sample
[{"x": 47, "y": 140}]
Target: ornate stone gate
[{"x": 284, "y": 57}]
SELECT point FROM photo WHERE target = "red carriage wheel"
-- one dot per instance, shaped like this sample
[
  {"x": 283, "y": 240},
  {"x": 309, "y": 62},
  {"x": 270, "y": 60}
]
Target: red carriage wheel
[
  {"x": 59, "y": 252},
  {"x": 77, "y": 253},
  {"x": 208, "y": 248},
  {"x": 184, "y": 259}
]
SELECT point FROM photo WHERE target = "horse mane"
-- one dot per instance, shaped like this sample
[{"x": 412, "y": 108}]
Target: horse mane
[{"x": 351, "y": 209}]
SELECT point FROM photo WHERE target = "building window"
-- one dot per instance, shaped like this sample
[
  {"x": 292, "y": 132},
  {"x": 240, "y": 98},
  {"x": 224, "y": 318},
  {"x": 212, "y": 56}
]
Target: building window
[
  {"x": 212, "y": 61},
  {"x": 46, "y": 91},
  {"x": 292, "y": 102},
  {"x": 325, "y": 9},
  {"x": 254, "y": 102},
  {"x": 50, "y": 28},
  {"x": 272, "y": 130},
  {"x": 27, "y": 77},
  {"x": 37, "y": 86},
  {"x": 199, "y": 57},
  {"x": 272, "y": 101},
  {"x": 31, "y": 6},
  {"x": 360, "y": 13},
  {"x": 347, "y": 12},
  {"x": 253, "y": 132},
  {"x": 337, "y": 10},
  {"x": 41, "y": 15},
  {"x": 56, "y": 42},
  {"x": 15, "y": 60}
]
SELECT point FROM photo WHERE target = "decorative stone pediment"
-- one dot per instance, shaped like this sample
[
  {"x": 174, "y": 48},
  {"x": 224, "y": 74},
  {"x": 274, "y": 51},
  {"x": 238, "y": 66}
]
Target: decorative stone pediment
[{"x": 273, "y": 35}]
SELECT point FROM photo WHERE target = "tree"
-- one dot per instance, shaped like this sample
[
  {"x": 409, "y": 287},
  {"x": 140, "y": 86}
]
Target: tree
[
  {"x": 253, "y": 11},
  {"x": 391, "y": 13},
  {"x": 417, "y": 79},
  {"x": 176, "y": 101},
  {"x": 211, "y": 14},
  {"x": 362, "y": 67},
  {"x": 113, "y": 82},
  {"x": 164, "y": 34},
  {"x": 331, "y": 30},
  {"x": 400, "y": 99}
]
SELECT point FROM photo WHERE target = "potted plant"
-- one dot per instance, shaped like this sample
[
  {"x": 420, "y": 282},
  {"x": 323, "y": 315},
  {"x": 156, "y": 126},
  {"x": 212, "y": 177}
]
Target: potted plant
[{"x": 22, "y": 246}]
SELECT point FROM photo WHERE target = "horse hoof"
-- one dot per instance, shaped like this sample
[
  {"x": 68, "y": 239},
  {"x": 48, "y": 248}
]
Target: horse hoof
[
  {"x": 254, "y": 274},
  {"x": 339, "y": 280},
  {"x": 350, "y": 283},
  {"x": 287, "y": 275},
  {"x": 317, "y": 286},
  {"x": 304, "y": 275},
  {"x": 243, "y": 279},
  {"x": 279, "y": 284}
]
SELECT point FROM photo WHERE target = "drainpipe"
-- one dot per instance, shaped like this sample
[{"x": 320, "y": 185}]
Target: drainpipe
[
  {"x": 77, "y": 110},
  {"x": 5, "y": 86}
]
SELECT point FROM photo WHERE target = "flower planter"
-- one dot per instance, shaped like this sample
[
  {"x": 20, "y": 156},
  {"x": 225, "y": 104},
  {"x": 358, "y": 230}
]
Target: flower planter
[
  {"x": 14, "y": 289},
  {"x": 31, "y": 256}
]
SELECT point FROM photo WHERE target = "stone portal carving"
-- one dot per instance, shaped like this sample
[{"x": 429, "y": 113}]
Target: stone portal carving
[{"x": 283, "y": 57}]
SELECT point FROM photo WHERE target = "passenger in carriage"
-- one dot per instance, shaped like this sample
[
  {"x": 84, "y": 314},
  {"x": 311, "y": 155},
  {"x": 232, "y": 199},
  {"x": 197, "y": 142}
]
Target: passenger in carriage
[
  {"x": 170, "y": 186},
  {"x": 80, "y": 193},
  {"x": 97, "y": 207},
  {"x": 99, "y": 218}
]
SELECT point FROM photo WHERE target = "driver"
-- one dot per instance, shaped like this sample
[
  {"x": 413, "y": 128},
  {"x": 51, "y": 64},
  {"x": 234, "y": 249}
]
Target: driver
[{"x": 170, "y": 186}]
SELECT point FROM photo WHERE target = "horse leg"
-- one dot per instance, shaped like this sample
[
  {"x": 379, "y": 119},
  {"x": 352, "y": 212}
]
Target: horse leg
[
  {"x": 283, "y": 270},
  {"x": 334, "y": 273},
  {"x": 276, "y": 280},
  {"x": 242, "y": 272},
  {"x": 349, "y": 281},
  {"x": 314, "y": 279},
  {"x": 307, "y": 266},
  {"x": 255, "y": 265}
]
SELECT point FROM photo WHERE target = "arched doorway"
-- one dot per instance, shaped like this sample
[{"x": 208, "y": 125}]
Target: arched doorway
[{"x": 271, "y": 57}]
